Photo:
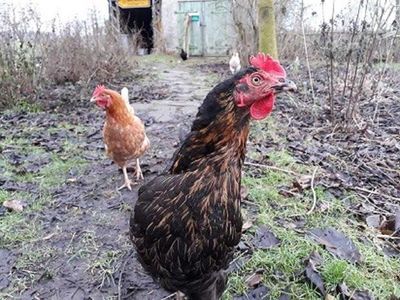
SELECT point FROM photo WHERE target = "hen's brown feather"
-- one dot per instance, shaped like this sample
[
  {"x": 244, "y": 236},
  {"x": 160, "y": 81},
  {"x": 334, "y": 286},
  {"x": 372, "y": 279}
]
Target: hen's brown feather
[
  {"x": 123, "y": 132},
  {"x": 187, "y": 222}
]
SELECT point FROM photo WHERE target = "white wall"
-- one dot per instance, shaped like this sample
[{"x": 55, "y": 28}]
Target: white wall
[{"x": 169, "y": 22}]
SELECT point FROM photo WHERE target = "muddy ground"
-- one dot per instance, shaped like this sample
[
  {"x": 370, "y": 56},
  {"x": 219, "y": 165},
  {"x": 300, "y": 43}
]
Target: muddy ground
[
  {"x": 85, "y": 220},
  {"x": 71, "y": 240}
]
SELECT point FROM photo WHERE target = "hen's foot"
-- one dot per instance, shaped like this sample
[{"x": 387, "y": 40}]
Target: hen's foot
[
  {"x": 127, "y": 183},
  {"x": 139, "y": 173}
]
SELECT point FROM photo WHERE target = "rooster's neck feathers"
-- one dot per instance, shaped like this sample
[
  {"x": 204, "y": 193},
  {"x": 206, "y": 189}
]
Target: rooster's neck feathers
[{"x": 219, "y": 132}]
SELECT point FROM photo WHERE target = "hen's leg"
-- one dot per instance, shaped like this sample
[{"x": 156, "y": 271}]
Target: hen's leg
[
  {"x": 139, "y": 174},
  {"x": 127, "y": 183}
]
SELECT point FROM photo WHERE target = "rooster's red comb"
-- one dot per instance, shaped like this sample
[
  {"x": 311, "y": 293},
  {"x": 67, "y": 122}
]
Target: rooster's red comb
[
  {"x": 98, "y": 90},
  {"x": 268, "y": 64}
]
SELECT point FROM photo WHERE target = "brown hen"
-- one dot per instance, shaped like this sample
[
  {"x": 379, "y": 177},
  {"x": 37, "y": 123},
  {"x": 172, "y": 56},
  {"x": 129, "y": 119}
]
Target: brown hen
[
  {"x": 124, "y": 134},
  {"x": 187, "y": 221}
]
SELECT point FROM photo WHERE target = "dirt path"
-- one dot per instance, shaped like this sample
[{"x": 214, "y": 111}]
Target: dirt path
[{"x": 82, "y": 250}]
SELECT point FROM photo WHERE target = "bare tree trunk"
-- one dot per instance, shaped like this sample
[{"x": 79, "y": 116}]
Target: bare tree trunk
[
  {"x": 266, "y": 17},
  {"x": 245, "y": 22}
]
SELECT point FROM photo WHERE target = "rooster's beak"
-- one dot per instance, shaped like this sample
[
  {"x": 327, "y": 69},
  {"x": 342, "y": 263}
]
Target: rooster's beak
[
  {"x": 93, "y": 99},
  {"x": 285, "y": 86}
]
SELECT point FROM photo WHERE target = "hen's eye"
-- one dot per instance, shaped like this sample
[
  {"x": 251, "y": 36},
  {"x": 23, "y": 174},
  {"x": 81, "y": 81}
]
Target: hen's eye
[{"x": 256, "y": 80}]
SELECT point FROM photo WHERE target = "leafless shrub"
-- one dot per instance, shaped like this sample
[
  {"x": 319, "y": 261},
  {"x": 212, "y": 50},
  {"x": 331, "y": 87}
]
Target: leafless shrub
[
  {"x": 31, "y": 57},
  {"x": 356, "y": 48}
]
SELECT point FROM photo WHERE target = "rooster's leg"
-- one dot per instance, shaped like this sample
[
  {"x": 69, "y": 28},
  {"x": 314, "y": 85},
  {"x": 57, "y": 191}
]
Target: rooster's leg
[
  {"x": 127, "y": 183},
  {"x": 139, "y": 174}
]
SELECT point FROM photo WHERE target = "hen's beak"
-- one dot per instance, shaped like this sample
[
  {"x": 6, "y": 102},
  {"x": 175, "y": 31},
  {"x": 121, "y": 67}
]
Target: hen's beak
[
  {"x": 285, "y": 86},
  {"x": 93, "y": 99}
]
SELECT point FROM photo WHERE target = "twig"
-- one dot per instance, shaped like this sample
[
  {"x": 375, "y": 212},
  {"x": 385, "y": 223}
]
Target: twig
[
  {"x": 331, "y": 91},
  {"x": 313, "y": 192},
  {"x": 120, "y": 274},
  {"x": 375, "y": 193},
  {"x": 169, "y": 296},
  {"x": 272, "y": 168},
  {"x": 350, "y": 50},
  {"x": 389, "y": 237},
  {"x": 306, "y": 54}
]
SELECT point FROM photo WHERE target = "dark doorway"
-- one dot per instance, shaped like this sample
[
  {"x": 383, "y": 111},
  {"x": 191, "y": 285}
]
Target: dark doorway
[{"x": 135, "y": 19}]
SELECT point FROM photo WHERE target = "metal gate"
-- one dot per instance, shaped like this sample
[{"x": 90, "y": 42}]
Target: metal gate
[{"x": 211, "y": 31}]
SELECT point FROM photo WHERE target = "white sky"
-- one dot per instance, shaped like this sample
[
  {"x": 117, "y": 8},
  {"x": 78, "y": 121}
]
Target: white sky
[
  {"x": 68, "y": 10},
  {"x": 64, "y": 10}
]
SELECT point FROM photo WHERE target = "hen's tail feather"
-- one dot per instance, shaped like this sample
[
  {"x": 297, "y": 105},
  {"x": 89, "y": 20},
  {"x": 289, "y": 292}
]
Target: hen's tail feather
[
  {"x": 214, "y": 291},
  {"x": 125, "y": 94},
  {"x": 125, "y": 97}
]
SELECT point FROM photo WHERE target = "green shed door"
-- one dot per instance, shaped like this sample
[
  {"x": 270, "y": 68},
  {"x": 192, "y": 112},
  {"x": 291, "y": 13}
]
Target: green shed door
[
  {"x": 211, "y": 31},
  {"x": 195, "y": 31},
  {"x": 219, "y": 33}
]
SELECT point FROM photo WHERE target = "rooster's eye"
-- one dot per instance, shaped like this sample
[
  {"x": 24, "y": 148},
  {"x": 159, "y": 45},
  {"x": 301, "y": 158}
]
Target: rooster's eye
[{"x": 256, "y": 80}]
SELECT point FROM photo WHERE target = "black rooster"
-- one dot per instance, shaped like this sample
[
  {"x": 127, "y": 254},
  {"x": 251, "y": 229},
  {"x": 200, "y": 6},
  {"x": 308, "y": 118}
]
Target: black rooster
[
  {"x": 183, "y": 55},
  {"x": 187, "y": 221}
]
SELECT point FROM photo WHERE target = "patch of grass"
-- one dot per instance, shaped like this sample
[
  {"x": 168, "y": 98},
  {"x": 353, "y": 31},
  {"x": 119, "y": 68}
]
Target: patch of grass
[
  {"x": 83, "y": 246},
  {"x": 16, "y": 230},
  {"x": 4, "y": 195},
  {"x": 104, "y": 267},
  {"x": 281, "y": 158},
  {"x": 27, "y": 106},
  {"x": 283, "y": 265},
  {"x": 34, "y": 257},
  {"x": 20, "y": 145},
  {"x": 56, "y": 173},
  {"x": 334, "y": 272},
  {"x": 266, "y": 130}
]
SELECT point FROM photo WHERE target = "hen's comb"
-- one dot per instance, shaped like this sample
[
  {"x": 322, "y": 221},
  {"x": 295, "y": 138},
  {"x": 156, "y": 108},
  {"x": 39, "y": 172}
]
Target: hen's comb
[
  {"x": 268, "y": 64},
  {"x": 98, "y": 90}
]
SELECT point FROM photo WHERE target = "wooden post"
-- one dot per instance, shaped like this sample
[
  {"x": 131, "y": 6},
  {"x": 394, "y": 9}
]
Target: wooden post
[{"x": 267, "y": 35}]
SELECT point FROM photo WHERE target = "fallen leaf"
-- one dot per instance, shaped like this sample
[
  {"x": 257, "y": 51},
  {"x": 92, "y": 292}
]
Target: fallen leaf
[
  {"x": 336, "y": 243},
  {"x": 259, "y": 293},
  {"x": 391, "y": 251},
  {"x": 312, "y": 275},
  {"x": 391, "y": 226},
  {"x": 324, "y": 206},
  {"x": 302, "y": 183},
  {"x": 346, "y": 294},
  {"x": 254, "y": 280},
  {"x": 243, "y": 246},
  {"x": 247, "y": 225},
  {"x": 373, "y": 221},
  {"x": 264, "y": 238},
  {"x": 14, "y": 205},
  {"x": 294, "y": 223},
  {"x": 243, "y": 192}
]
